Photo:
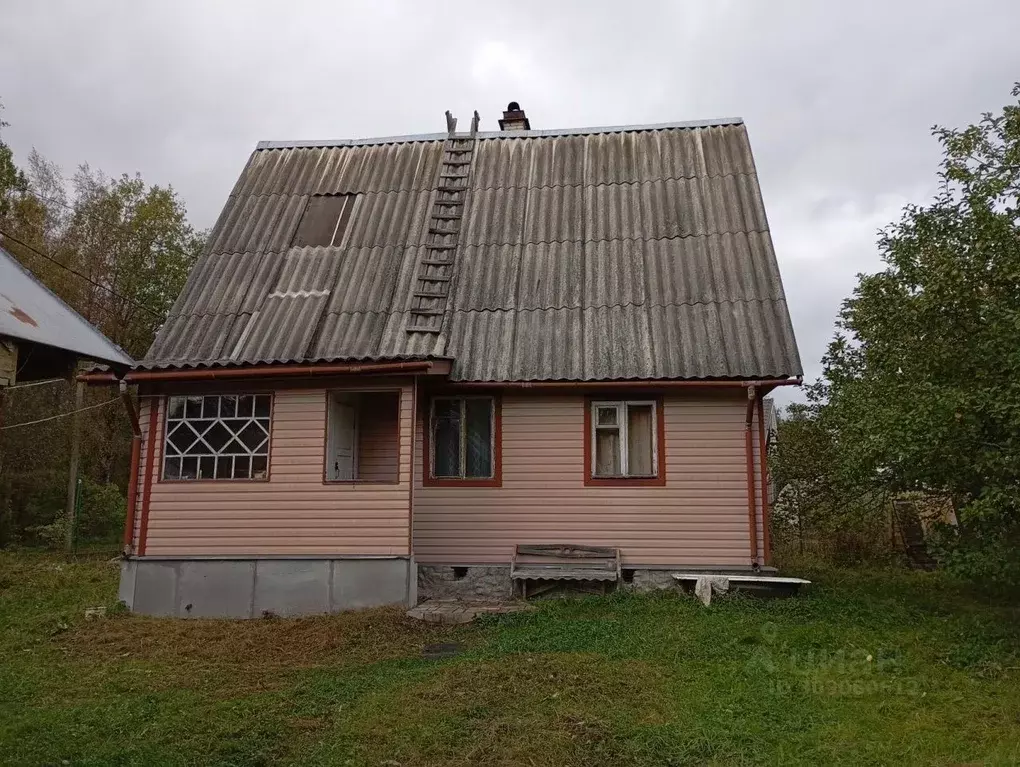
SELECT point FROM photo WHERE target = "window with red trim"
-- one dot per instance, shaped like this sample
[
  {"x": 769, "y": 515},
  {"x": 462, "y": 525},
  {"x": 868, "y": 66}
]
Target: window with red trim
[
  {"x": 624, "y": 441},
  {"x": 463, "y": 439}
]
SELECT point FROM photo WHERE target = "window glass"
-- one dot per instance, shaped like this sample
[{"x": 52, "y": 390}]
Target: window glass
[
  {"x": 606, "y": 416},
  {"x": 639, "y": 440},
  {"x": 324, "y": 221},
  {"x": 462, "y": 438},
  {"x": 446, "y": 438},
  {"x": 624, "y": 439},
  {"x": 478, "y": 438},
  {"x": 207, "y": 437},
  {"x": 607, "y": 453}
]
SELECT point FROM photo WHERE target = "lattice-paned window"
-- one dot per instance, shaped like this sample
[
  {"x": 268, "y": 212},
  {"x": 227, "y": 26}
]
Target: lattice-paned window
[{"x": 218, "y": 436}]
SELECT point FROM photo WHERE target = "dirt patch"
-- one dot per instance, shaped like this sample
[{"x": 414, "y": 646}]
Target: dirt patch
[{"x": 353, "y": 637}]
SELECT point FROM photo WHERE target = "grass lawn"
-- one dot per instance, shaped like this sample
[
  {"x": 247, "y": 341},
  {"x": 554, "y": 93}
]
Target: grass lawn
[{"x": 867, "y": 668}]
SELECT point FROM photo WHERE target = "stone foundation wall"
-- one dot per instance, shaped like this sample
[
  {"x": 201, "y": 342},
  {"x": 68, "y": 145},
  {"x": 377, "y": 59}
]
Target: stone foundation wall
[
  {"x": 645, "y": 581},
  {"x": 479, "y": 584},
  {"x": 488, "y": 583}
]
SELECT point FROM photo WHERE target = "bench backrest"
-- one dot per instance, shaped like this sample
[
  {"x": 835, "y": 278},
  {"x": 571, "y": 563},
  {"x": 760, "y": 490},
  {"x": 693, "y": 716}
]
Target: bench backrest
[{"x": 565, "y": 554}]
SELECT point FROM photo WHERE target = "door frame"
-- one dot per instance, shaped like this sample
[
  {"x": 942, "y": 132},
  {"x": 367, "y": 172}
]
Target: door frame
[{"x": 399, "y": 391}]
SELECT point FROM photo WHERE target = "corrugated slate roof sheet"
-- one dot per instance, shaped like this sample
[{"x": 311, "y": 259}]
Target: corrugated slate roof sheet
[{"x": 615, "y": 253}]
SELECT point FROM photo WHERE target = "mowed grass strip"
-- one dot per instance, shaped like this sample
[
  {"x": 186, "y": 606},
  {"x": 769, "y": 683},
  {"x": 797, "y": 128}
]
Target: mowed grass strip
[{"x": 874, "y": 667}]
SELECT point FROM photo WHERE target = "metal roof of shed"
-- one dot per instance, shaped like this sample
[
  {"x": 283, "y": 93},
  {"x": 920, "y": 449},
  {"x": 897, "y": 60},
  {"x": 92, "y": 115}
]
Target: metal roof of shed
[
  {"x": 638, "y": 252},
  {"x": 29, "y": 311}
]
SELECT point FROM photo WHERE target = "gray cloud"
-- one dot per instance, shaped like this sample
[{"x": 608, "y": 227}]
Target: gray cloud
[{"x": 838, "y": 99}]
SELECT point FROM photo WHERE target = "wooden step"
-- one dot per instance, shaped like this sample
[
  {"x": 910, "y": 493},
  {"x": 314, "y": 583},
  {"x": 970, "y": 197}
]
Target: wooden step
[
  {"x": 417, "y": 329},
  {"x": 434, "y": 262},
  {"x": 447, "y": 216},
  {"x": 428, "y": 312},
  {"x": 430, "y": 294},
  {"x": 434, "y": 278},
  {"x": 446, "y": 188}
]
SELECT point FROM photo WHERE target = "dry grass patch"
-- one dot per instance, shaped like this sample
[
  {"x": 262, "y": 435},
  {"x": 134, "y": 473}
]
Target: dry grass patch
[{"x": 355, "y": 638}]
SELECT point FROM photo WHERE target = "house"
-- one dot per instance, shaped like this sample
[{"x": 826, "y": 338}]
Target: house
[{"x": 399, "y": 357}]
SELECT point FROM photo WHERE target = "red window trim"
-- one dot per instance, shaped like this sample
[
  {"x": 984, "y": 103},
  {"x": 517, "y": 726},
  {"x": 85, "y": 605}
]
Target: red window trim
[
  {"x": 659, "y": 480},
  {"x": 496, "y": 480}
]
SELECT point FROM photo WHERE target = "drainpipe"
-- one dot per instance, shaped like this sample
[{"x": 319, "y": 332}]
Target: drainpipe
[
  {"x": 410, "y": 490},
  {"x": 150, "y": 463},
  {"x": 260, "y": 371},
  {"x": 752, "y": 393},
  {"x": 412, "y": 568},
  {"x": 136, "y": 451},
  {"x": 766, "y": 512}
]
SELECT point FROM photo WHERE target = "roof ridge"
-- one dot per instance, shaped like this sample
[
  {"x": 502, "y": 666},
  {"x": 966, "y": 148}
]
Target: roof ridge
[{"x": 412, "y": 138}]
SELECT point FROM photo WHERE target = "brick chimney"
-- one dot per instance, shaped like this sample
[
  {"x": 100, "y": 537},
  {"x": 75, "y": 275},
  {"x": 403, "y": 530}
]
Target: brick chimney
[{"x": 514, "y": 118}]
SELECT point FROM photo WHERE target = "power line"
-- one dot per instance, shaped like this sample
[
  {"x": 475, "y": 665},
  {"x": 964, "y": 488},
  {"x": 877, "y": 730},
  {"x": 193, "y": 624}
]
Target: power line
[
  {"x": 36, "y": 383},
  {"x": 111, "y": 291},
  {"x": 59, "y": 415}
]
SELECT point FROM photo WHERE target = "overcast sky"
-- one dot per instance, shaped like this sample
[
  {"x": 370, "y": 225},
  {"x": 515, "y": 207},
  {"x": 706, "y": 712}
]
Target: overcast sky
[{"x": 838, "y": 98}]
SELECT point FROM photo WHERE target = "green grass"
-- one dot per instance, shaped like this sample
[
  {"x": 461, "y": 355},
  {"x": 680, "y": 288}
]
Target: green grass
[{"x": 873, "y": 667}]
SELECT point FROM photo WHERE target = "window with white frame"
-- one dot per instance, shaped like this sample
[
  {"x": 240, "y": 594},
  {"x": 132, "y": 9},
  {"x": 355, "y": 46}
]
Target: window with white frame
[
  {"x": 462, "y": 437},
  {"x": 624, "y": 439},
  {"x": 218, "y": 436}
]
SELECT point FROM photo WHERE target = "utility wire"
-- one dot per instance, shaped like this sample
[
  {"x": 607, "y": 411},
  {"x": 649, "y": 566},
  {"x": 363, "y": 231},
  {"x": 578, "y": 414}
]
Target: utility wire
[
  {"x": 59, "y": 415},
  {"x": 111, "y": 291},
  {"x": 36, "y": 383}
]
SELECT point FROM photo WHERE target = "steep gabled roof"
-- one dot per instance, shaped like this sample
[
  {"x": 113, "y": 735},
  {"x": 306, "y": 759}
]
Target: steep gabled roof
[{"x": 639, "y": 252}]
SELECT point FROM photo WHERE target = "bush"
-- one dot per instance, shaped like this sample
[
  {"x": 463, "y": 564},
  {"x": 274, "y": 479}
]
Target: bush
[{"x": 103, "y": 509}]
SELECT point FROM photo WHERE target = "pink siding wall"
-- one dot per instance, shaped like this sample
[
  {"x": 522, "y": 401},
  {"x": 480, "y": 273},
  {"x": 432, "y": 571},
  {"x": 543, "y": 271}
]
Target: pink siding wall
[
  {"x": 698, "y": 518},
  {"x": 293, "y": 512},
  {"x": 378, "y": 448}
]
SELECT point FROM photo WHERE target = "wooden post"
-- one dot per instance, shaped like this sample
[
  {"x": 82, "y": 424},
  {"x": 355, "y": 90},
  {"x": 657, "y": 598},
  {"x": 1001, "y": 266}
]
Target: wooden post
[{"x": 72, "y": 470}]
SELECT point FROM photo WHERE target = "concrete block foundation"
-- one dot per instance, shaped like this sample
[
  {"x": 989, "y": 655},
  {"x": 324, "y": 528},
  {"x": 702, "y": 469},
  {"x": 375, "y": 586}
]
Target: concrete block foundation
[{"x": 251, "y": 588}]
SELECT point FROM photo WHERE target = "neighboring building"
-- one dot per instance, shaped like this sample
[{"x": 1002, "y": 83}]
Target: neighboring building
[
  {"x": 400, "y": 357},
  {"x": 41, "y": 337}
]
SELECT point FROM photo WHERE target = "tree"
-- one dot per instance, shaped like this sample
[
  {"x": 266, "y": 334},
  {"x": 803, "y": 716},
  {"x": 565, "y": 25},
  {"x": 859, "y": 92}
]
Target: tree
[
  {"x": 921, "y": 386},
  {"x": 118, "y": 251},
  {"x": 12, "y": 179}
]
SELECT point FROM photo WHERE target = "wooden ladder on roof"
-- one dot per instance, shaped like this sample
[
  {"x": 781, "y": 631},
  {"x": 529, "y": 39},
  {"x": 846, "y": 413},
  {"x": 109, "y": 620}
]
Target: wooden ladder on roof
[{"x": 435, "y": 270}]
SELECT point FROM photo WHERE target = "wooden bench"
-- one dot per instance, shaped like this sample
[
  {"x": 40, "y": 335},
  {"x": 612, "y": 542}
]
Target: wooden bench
[{"x": 555, "y": 562}]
